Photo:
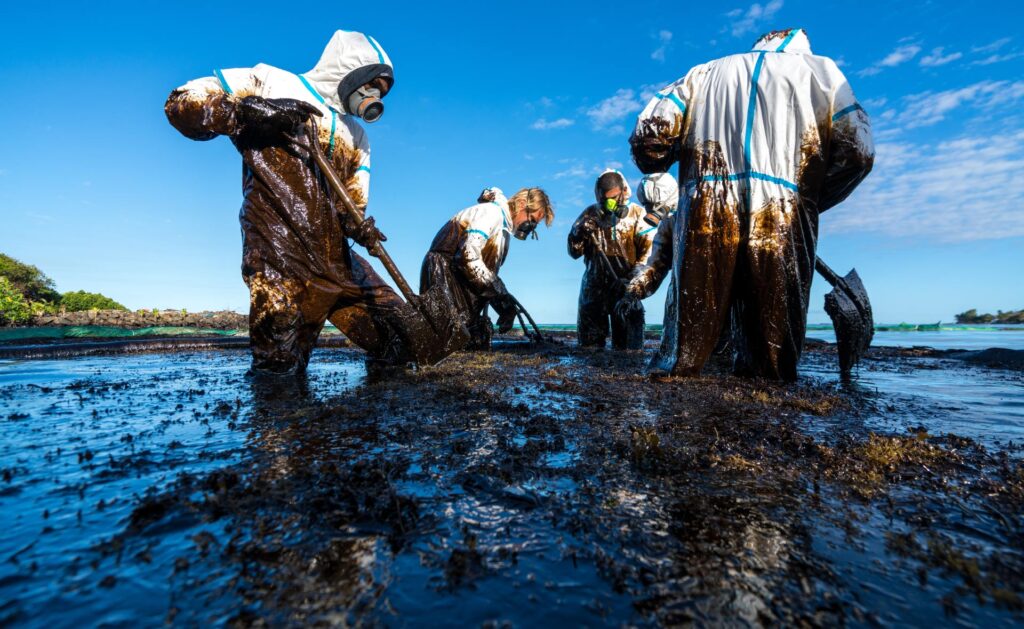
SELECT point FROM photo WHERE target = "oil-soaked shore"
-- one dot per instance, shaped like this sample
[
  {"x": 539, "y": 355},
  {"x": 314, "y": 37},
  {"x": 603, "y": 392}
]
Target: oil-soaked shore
[{"x": 529, "y": 485}]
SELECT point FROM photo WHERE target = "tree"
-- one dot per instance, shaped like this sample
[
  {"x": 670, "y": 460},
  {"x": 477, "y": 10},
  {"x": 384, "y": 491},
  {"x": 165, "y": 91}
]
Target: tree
[
  {"x": 32, "y": 283},
  {"x": 14, "y": 308},
  {"x": 77, "y": 300}
]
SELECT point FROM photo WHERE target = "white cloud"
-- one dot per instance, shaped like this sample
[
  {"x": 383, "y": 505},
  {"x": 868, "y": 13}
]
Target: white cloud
[
  {"x": 960, "y": 190},
  {"x": 754, "y": 18},
  {"x": 614, "y": 108},
  {"x": 875, "y": 103},
  {"x": 900, "y": 55},
  {"x": 992, "y": 47},
  {"x": 989, "y": 60},
  {"x": 542, "y": 124},
  {"x": 664, "y": 38},
  {"x": 936, "y": 58},
  {"x": 576, "y": 169},
  {"x": 928, "y": 108}
]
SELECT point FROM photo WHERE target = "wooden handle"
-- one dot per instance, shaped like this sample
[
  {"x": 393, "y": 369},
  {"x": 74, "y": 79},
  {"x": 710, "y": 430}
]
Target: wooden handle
[{"x": 349, "y": 207}]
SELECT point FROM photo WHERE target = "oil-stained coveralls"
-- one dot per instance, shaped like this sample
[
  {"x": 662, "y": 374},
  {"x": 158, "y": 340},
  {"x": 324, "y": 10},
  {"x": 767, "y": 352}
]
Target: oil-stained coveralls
[
  {"x": 465, "y": 257},
  {"x": 625, "y": 239},
  {"x": 296, "y": 259},
  {"x": 766, "y": 141}
]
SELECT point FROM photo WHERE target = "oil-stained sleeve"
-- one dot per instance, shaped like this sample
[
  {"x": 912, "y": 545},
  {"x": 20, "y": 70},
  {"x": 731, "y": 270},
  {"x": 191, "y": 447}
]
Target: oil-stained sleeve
[
  {"x": 648, "y": 277},
  {"x": 479, "y": 226},
  {"x": 204, "y": 108},
  {"x": 851, "y": 151},
  {"x": 655, "y": 140},
  {"x": 362, "y": 175},
  {"x": 644, "y": 240},
  {"x": 580, "y": 235}
]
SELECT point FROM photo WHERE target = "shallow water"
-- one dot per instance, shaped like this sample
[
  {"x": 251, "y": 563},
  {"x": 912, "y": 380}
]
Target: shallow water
[
  {"x": 140, "y": 489},
  {"x": 948, "y": 337}
]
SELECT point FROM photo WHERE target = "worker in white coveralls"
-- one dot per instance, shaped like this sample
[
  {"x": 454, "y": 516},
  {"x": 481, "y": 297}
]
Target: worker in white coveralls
[
  {"x": 766, "y": 140},
  {"x": 296, "y": 258},
  {"x": 469, "y": 250},
  {"x": 614, "y": 238}
]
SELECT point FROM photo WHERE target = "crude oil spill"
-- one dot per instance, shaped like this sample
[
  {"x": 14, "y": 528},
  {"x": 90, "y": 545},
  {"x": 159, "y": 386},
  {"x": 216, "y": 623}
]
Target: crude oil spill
[{"x": 529, "y": 485}]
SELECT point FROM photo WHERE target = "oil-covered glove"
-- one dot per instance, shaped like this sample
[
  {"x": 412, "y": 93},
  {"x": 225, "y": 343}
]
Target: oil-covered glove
[
  {"x": 272, "y": 117},
  {"x": 366, "y": 234},
  {"x": 505, "y": 305},
  {"x": 628, "y": 304}
]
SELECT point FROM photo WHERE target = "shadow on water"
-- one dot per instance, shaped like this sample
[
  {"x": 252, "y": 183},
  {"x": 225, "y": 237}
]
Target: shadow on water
[{"x": 529, "y": 485}]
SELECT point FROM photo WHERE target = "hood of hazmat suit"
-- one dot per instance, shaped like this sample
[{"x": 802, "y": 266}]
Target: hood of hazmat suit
[
  {"x": 613, "y": 244},
  {"x": 765, "y": 140},
  {"x": 465, "y": 258},
  {"x": 296, "y": 259}
]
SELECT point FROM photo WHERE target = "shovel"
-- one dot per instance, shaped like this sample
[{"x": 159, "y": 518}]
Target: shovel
[
  {"x": 433, "y": 328},
  {"x": 850, "y": 310}
]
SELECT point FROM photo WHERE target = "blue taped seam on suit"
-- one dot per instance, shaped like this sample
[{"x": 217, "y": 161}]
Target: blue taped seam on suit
[{"x": 223, "y": 81}]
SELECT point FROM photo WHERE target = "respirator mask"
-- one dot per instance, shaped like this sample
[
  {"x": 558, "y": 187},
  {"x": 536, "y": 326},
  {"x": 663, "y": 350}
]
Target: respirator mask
[
  {"x": 365, "y": 102},
  {"x": 526, "y": 228},
  {"x": 362, "y": 89}
]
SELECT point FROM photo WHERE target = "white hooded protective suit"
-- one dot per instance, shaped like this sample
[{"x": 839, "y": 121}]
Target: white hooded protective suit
[
  {"x": 465, "y": 258},
  {"x": 296, "y": 259},
  {"x": 765, "y": 140},
  {"x": 625, "y": 239}
]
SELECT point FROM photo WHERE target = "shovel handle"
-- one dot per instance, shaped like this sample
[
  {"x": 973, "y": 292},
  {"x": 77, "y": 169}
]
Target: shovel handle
[
  {"x": 349, "y": 207},
  {"x": 827, "y": 273}
]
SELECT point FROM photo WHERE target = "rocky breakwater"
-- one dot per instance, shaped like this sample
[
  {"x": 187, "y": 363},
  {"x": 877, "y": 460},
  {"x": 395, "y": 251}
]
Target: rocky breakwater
[{"x": 220, "y": 320}]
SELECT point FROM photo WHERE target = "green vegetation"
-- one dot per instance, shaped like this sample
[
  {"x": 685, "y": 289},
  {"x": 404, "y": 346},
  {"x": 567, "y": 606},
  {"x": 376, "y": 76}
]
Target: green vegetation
[
  {"x": 14, "y": 308},
  {"x": 26, "y": 291},
  {"x": 972, "y": 316},
  {"x": 28, "y": 280},
  {"x": 77, "y": 300}
]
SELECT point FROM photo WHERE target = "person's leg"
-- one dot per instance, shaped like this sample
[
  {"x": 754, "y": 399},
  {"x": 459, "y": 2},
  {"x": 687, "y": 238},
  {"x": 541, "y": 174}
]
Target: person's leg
[
  {"x": 780, "y": 266},
  {"x": 284, "y": 322},
  {"x": 592, "y": 318},
  {"x": 366, "y": 311},
  {"x": 705, "y": 276}
]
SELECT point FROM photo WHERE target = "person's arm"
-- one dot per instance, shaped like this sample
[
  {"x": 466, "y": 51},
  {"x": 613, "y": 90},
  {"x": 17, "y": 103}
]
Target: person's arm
[
  {"x": 655, "y": 141},
  {"x": 204, "y": 108},
  {"x": 648, "y": 277},
  {"x": 582, "y": 234},
  {"x": 851, "y": 150},
  {"x": 479, "y": 224}
]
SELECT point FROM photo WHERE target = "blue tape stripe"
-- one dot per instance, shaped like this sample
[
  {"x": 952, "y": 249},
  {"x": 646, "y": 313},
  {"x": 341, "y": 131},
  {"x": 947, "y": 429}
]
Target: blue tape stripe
[
  {"x": 672, "y": 97},
  {"x": 477, "y": 231},
  {"x": 848, "y": 110},
  {"x": 776, "y": 180},
  {"x": 334, "y": 122},
  {"x": 751, "y": 108},
  {"x": 223, "y": 81},
  {"x": 788, "y": 39},
  {"x": 366, "y": 168},
  {"x": 647, "y": 231},
  {"x": 745, "y": 176},
  {"x": 380, "y": 55},
  {"x": 312, "y": 91}
]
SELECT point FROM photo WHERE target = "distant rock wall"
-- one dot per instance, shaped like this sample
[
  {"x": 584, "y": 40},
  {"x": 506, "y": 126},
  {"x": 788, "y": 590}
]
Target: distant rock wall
[{"x": 220, "y": 320}]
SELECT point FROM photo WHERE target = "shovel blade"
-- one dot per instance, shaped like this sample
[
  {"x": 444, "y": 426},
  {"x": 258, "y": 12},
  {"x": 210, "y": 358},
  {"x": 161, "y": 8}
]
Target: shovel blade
[
  {"x": 434, "y": 327},
  {"x": 850, "y": 310}
]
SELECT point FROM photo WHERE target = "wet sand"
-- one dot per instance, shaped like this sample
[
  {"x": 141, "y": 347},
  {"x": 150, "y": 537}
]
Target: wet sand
[{"x": 530, "y": 485}]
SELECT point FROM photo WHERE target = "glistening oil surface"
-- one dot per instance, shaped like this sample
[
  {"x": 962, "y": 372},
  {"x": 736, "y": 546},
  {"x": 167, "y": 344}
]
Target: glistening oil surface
[{"x": 528, "y": 485}]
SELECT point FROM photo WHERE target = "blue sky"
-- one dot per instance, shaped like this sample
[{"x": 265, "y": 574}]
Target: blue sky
[{"x": 98, "y": 190}]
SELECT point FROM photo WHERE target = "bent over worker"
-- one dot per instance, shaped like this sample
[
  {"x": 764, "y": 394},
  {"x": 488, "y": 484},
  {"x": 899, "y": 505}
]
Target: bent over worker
[
  {"x": 614, "y": 240},
  {"x": 296, "y": 258},
  {"x": 766, "y": 140},
  {"x": 470, "y": 249}
]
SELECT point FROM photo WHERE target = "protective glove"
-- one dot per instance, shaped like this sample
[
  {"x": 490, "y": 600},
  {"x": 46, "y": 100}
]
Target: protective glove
[
  {"x": 272, "y": 117},
  {"x": 366, "y": 234},
  {"x": 504, "y": 304},
  {"x": 629, "y": 304}
]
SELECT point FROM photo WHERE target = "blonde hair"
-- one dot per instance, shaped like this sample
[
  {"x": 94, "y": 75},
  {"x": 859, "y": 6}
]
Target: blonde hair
[{"x": 534, "y": 199}]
